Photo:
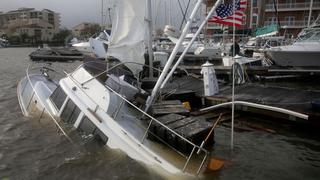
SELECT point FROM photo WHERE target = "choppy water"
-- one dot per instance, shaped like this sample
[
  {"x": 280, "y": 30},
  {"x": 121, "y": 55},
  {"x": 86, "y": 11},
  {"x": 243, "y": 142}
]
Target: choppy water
[{"x": 33, "y": 149}]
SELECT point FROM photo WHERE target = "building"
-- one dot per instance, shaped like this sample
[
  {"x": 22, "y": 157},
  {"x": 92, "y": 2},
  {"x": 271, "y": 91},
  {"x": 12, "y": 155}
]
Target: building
[
  {"x": 39, "y": 25},
  {"x": 85, "y": 29},
  {"x": 293, "y": 15}
]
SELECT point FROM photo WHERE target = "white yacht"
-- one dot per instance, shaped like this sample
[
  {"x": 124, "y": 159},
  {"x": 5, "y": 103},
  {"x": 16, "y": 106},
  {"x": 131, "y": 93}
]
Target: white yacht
[
  {"x": 3, "y": 42},
  {"x": 198, "y": 48},
  {"x": 83, "y": 47},
  {"x": 304, "y": 52}
]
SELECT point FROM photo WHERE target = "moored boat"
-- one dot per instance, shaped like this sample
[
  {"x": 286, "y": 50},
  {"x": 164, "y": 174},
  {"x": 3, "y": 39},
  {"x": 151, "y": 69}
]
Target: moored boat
[{"x": 304, "y": 52}]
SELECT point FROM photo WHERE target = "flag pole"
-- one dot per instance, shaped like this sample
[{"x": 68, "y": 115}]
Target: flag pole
[{"x": 233, "y": 76}]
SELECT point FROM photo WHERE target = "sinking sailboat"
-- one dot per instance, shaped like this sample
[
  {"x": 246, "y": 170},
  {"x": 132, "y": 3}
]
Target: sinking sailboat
[{"x": 109, "y": 103}]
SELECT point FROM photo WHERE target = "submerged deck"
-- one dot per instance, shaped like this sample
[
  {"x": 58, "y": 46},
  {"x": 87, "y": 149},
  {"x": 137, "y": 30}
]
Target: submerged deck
[{"x": 294, "y": 96}]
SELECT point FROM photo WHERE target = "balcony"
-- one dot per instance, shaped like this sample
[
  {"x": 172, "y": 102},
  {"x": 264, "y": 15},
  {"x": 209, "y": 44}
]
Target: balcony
[
  {"x": 293, "y": 6},
  {"x": 214, "y": 26},
  {"x": 289, "y": 24}
]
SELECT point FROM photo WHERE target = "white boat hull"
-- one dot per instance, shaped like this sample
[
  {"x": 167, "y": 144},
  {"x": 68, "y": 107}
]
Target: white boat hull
[
  {"x": 295, "y": 58},
  {"x": 99, "y": 47},
  {"x": 83, "y": 47}
]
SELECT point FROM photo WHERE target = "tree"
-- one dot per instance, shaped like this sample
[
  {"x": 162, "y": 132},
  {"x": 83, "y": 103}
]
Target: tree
[
  {"x": 90, "y": 30},
  {"x": 62, "y": 35},
  {"x": 14, "y": 39},
  {"x": 24, "y": 37}
]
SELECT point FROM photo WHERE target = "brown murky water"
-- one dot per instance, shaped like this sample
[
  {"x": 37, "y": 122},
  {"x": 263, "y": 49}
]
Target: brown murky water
[{"x": 33, "y": 148}]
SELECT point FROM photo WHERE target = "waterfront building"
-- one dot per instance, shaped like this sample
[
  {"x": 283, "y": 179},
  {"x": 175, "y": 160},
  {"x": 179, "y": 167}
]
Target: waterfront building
[
  {"x": 291, "y": 16},
  {"x": 85, "y": 29},
  {"x": 39, "y": 25}
]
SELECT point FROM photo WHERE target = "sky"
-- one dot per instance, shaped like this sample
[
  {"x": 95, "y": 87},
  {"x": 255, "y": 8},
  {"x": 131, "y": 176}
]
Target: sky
[{"x": 73, "y": 12}]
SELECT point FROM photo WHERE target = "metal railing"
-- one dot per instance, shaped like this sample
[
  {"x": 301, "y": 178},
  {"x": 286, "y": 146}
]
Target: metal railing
[
  {"x": 289, "y": 24},
  {"x": 293, "y": 6},
  {"x": 34, "y": 93},
  {"x": 152, "y": 119}
]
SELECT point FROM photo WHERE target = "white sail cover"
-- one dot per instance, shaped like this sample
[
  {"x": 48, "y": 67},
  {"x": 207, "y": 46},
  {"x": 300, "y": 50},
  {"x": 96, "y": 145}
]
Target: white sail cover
[{"x": 128, "y": 33}]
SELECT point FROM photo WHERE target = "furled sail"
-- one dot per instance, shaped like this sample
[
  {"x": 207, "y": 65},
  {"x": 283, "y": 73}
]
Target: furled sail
[{"x": 128, "y": 33}]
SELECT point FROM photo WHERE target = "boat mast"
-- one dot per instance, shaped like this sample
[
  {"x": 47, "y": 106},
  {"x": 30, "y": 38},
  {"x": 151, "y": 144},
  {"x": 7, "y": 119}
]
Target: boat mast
[
  {"x": 150, "y": 52},
  {"x": 310, "y": 12},
  {"x": 233, "y": 76},
  {"x": 170, "y": 9},
  {"x": 251, "y": 13},
  {"x": 173, "y": 54},
  {"x": 102, "y": 9}
]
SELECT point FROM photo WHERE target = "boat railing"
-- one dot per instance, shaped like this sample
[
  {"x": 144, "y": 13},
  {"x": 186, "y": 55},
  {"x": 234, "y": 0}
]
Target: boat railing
[
  {"x": 118, "y": 65},
  {"x": 44, "y": 70},
  {"x": 195, "y": 149}
]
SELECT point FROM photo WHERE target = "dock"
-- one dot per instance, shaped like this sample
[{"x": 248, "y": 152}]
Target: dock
[
  {"x": 56, "y": 54},
  {"x": 296, "y": 97}
]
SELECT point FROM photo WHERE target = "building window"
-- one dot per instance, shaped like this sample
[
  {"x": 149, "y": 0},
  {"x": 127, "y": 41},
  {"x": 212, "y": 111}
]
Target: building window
[
  {"x": 254, "y": 3},
  {"x": 290, "y": 3},
  {"x": 289, "y": 20},
  {"x": 272, "y": 20},
  {"x": 254, "y": 20},
  {"x": 306, "y": 19},
  {"x": 288, "y": 35}
]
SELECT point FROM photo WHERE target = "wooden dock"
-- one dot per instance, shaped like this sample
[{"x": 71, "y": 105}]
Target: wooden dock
[
  {"x": 56, "y": 54},
  {"x": 297, "y": 97},
  {"x": 255, "y": 70}
]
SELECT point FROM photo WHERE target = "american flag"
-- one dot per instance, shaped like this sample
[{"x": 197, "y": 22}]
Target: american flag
[{"x": 227, "y": 15}]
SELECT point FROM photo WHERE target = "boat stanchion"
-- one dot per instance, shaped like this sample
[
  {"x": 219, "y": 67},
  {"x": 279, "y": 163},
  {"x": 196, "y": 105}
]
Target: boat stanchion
[
  {"x": 202, "y": 163},
  {"x": 147, "y": 130},
  {"x": 118, "y": 109},
  {"x": 41, "y": 115},
  {"x": 186, "y": 164},
  {"x": 30, "y": 101}
]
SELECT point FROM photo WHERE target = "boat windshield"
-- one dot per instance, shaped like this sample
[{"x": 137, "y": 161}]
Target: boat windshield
[{"x": 310, "y": 36}]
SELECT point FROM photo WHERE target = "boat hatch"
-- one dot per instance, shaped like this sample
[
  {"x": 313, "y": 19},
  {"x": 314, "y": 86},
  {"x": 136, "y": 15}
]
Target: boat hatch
[
  {"x": 58, "y": 97},
  {"x": 87, "y": 127}
]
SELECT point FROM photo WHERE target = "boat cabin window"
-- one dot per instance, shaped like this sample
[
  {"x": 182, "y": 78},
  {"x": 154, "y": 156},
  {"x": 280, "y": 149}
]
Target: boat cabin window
[
  {"x": 87, "y": 127},
  {"x": 58, "y": 97},
  {"x": 70, "y": 112}
]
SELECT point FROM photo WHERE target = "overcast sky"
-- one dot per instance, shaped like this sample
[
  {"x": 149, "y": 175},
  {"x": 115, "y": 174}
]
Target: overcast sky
[{"x": 74, "y": 12}]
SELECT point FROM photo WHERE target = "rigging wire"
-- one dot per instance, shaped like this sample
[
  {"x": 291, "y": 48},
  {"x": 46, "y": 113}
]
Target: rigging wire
[
  {"x": 181, "y": 9},
  {"x": 184, "y": 14}
]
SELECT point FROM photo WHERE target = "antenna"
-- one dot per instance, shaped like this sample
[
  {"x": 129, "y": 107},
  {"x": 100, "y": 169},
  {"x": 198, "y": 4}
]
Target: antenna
[{"x": 310, "y": 12}]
